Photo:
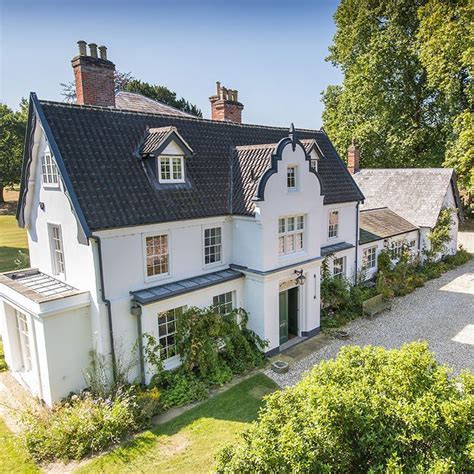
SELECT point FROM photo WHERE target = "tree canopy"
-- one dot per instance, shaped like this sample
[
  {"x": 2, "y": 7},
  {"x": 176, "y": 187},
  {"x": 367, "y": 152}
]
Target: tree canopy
[
  {"x": 12, "y": 137},
  {"x": 406, "y": 95},
  {"x": 124, "y": 81},
  {"x": 369, "y": 410}
]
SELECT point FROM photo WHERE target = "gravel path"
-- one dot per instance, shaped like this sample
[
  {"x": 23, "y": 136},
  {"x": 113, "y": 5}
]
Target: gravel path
[{"x": 441, "y": 313}]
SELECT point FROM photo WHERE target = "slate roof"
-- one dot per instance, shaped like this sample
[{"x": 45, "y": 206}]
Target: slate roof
[
  {"x": 99, "y": 148},
  {"x": 169, "y": 290},
  {"x": 415, "y": 194},
  {"x": 140, "y": 103},
  {"x": 330, "y": 249},
  {"x": 376, "y": 224}
]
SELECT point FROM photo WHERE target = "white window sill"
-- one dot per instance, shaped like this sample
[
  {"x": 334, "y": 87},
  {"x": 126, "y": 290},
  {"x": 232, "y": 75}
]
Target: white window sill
[
  {"x": 213, "y": 265},
  {"x": 288, "y": 257},
  {"x": 155, "y": 278},
  {"x": 172, "y": 363}
]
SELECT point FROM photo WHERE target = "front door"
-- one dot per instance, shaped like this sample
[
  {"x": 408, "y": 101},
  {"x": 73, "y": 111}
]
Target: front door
[
  {"x": 288, "y": 314},
  {"x": 283, "y": 317}
]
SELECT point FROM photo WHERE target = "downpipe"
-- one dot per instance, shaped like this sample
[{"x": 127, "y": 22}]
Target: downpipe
[{"x": 107, "y": 305}]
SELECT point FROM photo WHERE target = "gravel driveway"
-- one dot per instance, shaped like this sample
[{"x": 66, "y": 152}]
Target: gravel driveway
[{"x": 441, "y": 313}]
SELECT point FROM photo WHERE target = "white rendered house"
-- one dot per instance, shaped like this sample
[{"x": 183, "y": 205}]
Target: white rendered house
[{"x": 136, "y": 211}]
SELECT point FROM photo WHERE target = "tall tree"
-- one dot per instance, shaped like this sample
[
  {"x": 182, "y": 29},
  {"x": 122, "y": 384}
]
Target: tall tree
[
  {"x": 446, "y": 39},
  {"x": 12, "y": 137},
  {"x": 385, "y": 101},
  {"x": 124, "y": 81}
]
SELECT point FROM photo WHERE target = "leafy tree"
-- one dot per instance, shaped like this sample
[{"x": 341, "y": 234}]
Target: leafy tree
[
  {"x": 447, "y": 54},
  {"x": 12, "y": 137},
  {"x": 370, "y": 410},
  {"x": 407, "y": 93},
  {"x": 126, "y": 82}
]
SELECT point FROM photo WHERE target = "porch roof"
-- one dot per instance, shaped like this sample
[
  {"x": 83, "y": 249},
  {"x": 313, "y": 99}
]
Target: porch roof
[
  {"x": 329, "y": 249},
  {"x": 168, "y": 290},
  {"x": 36, "y": 286}
]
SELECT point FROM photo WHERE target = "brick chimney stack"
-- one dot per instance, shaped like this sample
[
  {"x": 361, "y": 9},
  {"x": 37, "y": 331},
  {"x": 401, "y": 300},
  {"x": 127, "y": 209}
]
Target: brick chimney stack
[
  {"x": 225, "y": 105},
  {"x": 94, "y": 76},
  {"x": 353, "y": 158}
]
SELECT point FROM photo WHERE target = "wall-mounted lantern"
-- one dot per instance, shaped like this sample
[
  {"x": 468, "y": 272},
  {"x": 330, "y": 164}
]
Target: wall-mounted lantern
[{"x": 300, "y": 279}]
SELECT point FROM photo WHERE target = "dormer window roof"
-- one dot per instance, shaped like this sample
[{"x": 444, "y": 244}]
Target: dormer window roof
[{"x": 157, "y": 139}]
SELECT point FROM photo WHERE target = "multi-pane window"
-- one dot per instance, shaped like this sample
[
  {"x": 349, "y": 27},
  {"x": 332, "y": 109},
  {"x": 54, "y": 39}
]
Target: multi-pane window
[
  {"x": 49, "y": 170},
  {"x": 57, "y": 252},
  {"x": 339, "y": 267},
  {"x": 333, "y": 228},
  {"x": 290, "y": 234},
  {"x": 24, "y": 340},
  {"x": 223, "y": 304},
  {"x": 167, "y": 331},
  {"x": 291, "y": 177},
  {"x": 212, "y": 245},
  {"x": 369, "y": 259},
  {"x": 412, "y": 245},
  {"x": 171, "y": 169},
  {"x": 314, "y": 164},
  {"x": 157, "y": 255},
  {"x": 396, "y": 249}
]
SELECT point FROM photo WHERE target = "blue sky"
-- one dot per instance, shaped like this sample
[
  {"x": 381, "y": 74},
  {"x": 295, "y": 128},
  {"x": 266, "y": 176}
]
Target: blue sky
[{"x": 271, "y": 51}]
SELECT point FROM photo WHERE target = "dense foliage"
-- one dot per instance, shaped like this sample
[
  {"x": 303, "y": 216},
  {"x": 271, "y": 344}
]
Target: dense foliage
[
  {"x": 440, "y": 236},
  {"x": 401, "y": 277},
  {"x": 12, "y": 136},
  {"x": 370, "y": 410},
  {"x": 407, "y": 94},
  {"x": 213, "y": 349},
  {"x": 341, "y": 301},
  {"x": 87, "y": 423},
  {"x": 126, "y": 82}
]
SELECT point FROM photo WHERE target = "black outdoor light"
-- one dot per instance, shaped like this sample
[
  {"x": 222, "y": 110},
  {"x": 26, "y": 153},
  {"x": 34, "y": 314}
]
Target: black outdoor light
[{"x": 300, "y": 279}]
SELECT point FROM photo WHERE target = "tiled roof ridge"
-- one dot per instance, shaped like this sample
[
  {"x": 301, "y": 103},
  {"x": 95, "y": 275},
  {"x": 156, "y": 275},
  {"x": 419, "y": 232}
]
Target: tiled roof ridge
[
  {"x": 376, "y": 209},
  {"x": 256, "y": 147},
  {"x": 406, "y": 169},
  {"x": 169, "y": 128},
  {"x": 191, "y": 119}
]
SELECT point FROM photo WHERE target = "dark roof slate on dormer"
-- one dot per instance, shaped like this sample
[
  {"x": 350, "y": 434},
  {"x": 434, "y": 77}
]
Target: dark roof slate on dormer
[{"x": 98, "y": 146}]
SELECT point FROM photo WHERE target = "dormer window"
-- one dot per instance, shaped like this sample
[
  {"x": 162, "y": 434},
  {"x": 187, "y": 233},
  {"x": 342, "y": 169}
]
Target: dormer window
[
  {"x": 49, "y": 170},
  {"x": 171, "y": 169},
  {"x": 170, "y": 152}
]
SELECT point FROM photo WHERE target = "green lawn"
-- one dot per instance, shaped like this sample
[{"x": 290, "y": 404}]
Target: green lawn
[
  {"x": 13, "y": 458},
  {"x": 189, "y": 442},
  {"x": 12, "y": 239}
]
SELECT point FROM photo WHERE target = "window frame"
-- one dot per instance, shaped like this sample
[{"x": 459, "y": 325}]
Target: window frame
[
  {"x": 170, "y": 180},
  {"x": 222, "y": 305},
  {"x": 158, "y": 276},
  {"x": 58, "y": 267},
  {"x": 335, "y": 226},
  {"x": 342, "y": 273},
  {"x": 221, "y": 244},
  {"x": 293, "y": 188},
  {"x": 49, "y": 171},
  {"x": 396, "y": 249},
  {"x": 365, "y": 260},
  {"x": 165, "y": 348},
  {"x": 295, "y": 233},
  {"x": 24, "y": 340}
]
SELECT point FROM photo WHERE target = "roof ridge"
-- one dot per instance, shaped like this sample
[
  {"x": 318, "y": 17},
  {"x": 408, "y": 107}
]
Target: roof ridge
[
  {"x": 180, "y": 117},
  {"x": 376, "y": 209}
]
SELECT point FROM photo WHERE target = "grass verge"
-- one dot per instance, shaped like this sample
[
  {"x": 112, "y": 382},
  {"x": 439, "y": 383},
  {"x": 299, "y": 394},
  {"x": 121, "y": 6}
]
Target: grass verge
[
  {"x": 189, "y": 442},
  {"x": 13, "y": 458},
  {"x": 12, "y": 239}
]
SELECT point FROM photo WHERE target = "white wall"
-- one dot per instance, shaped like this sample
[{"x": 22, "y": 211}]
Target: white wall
[{"x": 347, "y": 224}]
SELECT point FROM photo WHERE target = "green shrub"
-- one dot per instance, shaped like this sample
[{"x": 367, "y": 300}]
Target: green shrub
[
  {"x": 80, "y": 426},
  {"x": 370, "y": 410}
]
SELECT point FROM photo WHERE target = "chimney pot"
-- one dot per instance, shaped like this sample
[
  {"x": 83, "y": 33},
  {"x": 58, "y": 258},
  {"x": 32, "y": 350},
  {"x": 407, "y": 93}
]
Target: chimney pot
[
  {"x": 353, "y": 158},
  {"x": 93, "y": 49},
  {"x": 103, "y": 52},
  {"x": 82, "y": 48}
]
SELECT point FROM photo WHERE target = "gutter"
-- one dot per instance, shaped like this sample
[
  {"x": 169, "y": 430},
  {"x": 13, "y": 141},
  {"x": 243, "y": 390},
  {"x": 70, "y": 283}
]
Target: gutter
[{"x": 107, "y": 305}]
